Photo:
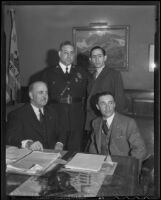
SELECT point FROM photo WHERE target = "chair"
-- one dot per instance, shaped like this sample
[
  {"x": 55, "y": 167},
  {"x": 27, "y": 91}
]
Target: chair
[{"x": 147, "y": 176}]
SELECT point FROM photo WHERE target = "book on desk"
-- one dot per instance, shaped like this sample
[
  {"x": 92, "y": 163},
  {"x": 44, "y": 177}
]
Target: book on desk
[{"x": 91, "y": 162}]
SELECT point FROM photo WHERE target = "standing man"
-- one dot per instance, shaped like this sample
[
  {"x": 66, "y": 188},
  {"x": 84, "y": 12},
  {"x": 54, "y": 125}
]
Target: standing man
[
  {"x": 105, "y": 79},
  {"x": 114, "y": 133},
  {"x": 67, "y": 85},
  {"x": 34, "y": 125}
]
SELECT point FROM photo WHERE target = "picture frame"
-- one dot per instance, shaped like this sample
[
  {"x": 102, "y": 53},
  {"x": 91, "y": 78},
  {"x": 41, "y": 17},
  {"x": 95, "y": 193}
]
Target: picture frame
[
  {"x": 114, "y": 39},
  {"x": 151, "y": 58}
]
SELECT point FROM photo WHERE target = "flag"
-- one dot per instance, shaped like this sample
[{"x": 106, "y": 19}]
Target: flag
[
  {"x": 13, "y": 73},
  {"x": 7, "y": 90}
]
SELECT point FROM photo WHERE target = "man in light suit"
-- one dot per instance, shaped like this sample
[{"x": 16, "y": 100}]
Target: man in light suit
[
  {"x": 104, "y": 79},
  {"x": 34, "y": 125},
  {"x": 114, "y": 133}
]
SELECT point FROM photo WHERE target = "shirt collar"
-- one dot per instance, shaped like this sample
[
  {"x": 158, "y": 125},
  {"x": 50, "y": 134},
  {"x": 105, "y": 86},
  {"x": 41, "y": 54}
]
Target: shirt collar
[
  {"x": 110, "y": 119},
  {"x": 63, "y": 67},
  {"x": 99, "y": 70},
  {"x": 36, "y": 109}
]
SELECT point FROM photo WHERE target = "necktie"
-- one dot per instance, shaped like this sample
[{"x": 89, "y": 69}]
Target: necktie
[
  {"x": 104, "y": 127},
  {"x": 107, "y": 140},
  {"x": 66, "y": 70},
  {"x": 41, "y": 115}
]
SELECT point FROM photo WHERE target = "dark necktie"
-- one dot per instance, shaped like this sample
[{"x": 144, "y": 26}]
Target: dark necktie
[
  {"x": 106, "y": 131},
  {"x": 104, "y": 127},
  {"x": 41, "y": 115},
  {"x": 66, "y": 70}
]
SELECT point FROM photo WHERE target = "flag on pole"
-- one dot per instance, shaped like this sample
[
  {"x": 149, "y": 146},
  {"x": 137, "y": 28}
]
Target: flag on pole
[
  {"x": 13, "y": 73},
  {"x": 8, "y": 98}
]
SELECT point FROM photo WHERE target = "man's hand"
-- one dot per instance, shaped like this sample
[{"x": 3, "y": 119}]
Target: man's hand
[
  {"x": 36, "y": 146},
  {"x": 58, "y": 146}
]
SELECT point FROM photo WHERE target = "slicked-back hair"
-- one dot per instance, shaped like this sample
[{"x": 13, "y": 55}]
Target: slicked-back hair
[
  {"x": 64, "y": 44},
  {"x": 98, "y": 95},
  {"x": 97, "y": 47}
]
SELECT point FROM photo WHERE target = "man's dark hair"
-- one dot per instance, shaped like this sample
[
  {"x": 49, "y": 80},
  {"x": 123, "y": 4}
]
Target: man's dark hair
[
  {"x": 94, "y": 101},
  {"x": 98, "y": 47},
  {"x": 65, "y": 43},
  {"x": 98, "y": 95}
]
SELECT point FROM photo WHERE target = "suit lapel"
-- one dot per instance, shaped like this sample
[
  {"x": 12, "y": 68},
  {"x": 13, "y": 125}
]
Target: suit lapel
[
  {"x": 46, "y": 119},
  {"x": 114, "y": 132},
  {"x": 98, "y": 131},
  {"x": 33, "y": 119},
  {"x": 60, "y": 73},
  {"x": 114, "y": 126},
  {"x": 96, "y": 82}
]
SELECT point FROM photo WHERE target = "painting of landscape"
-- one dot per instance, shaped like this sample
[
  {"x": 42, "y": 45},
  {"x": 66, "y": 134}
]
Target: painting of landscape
[{"x": 113, "y": 39}]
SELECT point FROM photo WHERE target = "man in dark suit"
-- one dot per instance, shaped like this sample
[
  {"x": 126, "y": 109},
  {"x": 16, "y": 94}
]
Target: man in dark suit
[
  {"x": 34, "y": 125},
  {"x": 104, "y": 79},
  {"x": 114, "y": 133},
  {"x": 67, "y": 85}
]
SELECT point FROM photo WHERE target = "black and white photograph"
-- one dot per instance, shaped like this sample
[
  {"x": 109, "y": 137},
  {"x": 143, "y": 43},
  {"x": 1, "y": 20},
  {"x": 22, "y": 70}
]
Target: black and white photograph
[{"x": 80, "y": 99}]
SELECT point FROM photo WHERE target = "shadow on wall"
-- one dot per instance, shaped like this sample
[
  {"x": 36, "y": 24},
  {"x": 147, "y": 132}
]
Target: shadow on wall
[
  {"x": 83, "y": 61},
  {"x": 52, "y": 59}
]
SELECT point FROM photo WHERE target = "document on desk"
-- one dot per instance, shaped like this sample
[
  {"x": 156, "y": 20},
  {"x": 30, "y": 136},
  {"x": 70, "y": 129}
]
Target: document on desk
[
  {"x": 34, "y": 163},
  {"x": 14, "y": 154},
  {"x": 89, "y": 162}
]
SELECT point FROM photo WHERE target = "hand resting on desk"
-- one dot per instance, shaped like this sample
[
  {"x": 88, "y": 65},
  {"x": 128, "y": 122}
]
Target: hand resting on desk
[
  {"x": 35, "y": 146},
  {"x": 58, "y": 146}
]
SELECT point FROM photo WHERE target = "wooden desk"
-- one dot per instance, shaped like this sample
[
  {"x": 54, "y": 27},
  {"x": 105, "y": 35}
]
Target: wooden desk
[{"x": 56, "y": 182}]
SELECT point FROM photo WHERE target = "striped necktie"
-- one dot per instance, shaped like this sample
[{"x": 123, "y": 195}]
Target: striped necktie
[
  {"x": 105, "y": 127},
  {"x": 66, "y": 70}
]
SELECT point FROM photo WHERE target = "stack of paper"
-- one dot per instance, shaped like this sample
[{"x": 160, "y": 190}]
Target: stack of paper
[
  {"x": 14, "y": 154},
  {"x": 34, "y": 163},
  {"x": 89, "y": 162}
]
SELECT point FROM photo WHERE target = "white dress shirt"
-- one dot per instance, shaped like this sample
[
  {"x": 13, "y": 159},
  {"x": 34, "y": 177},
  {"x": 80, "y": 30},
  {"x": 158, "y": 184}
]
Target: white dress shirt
[
  {"x": 109, "y": 120},
  {"x": 36, "y": 111},
  {"x": 98, "y": 71},
  {"x": 63, "y": 67}
]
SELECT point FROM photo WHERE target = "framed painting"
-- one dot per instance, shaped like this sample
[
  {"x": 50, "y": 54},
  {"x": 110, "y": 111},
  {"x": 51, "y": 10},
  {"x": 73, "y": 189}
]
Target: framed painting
[{"x": 114, "y": 39}]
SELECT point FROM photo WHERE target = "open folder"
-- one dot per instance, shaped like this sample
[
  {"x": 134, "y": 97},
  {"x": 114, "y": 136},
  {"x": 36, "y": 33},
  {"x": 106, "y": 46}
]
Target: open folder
[
  {"x": 89, "y": 162},
  {"x": 14, "y": 154},
  {"x": 34, "y": 163}
]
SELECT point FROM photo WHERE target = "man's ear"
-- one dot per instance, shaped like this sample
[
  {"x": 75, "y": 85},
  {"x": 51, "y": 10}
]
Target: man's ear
[
  {"x": 97, "y": 107},
  {"x": 105, "y": 57},
  {"x": 59, "y": 53},
  {"x": 90, "y": 59},
  {"x": 30, "y": 95},
  {"x": 114, "y": 104}
]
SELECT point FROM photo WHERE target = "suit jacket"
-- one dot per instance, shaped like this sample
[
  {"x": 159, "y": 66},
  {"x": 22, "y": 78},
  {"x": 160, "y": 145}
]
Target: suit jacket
[
  {"x": 108, "y": 80},
  {"x": 75, "y": 86},
  {"x": 23, "y": 124},
  {"x": 125, "y": 138}
]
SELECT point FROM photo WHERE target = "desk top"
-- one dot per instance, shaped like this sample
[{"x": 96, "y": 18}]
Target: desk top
[{"x": 63, "y": 183}]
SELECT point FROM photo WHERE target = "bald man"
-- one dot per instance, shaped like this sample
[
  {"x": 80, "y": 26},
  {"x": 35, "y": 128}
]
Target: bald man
[{"x": 34, "y": 125}]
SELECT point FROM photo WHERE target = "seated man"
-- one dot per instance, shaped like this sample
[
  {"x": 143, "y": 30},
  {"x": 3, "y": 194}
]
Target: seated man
[
  {"x": 34, "y": 125},
  {"x": 114, "y": 133}
]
